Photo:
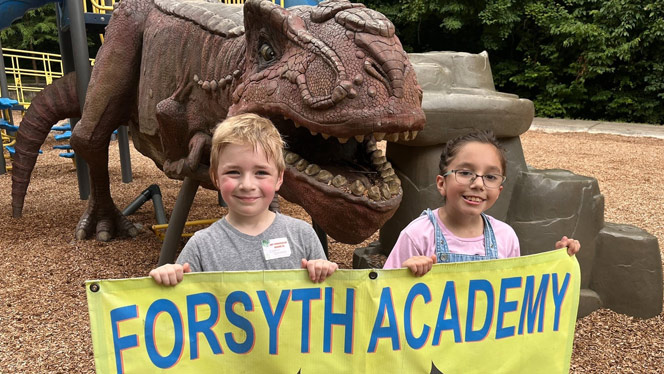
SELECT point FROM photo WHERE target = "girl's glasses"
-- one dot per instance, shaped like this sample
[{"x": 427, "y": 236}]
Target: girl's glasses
[{"x": 467, "y": 177}]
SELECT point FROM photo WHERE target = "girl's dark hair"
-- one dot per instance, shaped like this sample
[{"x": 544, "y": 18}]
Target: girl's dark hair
[{"x": 481, "y": 136}]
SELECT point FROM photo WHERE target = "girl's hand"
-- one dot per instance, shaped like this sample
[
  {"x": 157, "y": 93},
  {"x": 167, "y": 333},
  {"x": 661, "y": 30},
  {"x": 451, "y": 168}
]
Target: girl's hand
[
  {"x": 419, "y": 265},
  {"x": 573, "y": 246}
]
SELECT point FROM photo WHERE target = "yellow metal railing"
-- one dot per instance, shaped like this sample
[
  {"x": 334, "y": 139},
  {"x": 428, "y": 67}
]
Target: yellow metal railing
[
  {"x": 28, "y": 72},
  {"x": 100, "y": 7},
  {"x": 160, "y": 230}
]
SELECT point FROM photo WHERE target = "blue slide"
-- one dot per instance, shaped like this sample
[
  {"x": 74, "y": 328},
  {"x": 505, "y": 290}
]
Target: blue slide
[{"x": 11, "y": 10}]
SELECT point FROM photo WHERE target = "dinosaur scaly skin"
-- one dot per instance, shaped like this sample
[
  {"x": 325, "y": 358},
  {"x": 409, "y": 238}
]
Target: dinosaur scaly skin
[{"x": 334, "y": 79}]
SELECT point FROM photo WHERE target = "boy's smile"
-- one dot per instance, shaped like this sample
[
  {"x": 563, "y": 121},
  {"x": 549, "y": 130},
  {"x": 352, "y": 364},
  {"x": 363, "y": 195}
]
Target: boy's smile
[{"x": 248, "y": 181}]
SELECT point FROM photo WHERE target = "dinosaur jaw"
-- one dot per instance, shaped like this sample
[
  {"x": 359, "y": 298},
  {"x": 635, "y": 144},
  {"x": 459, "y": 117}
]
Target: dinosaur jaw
[
  {"x": 335, "y": 211},
  {"x": 340, "y": 182}
]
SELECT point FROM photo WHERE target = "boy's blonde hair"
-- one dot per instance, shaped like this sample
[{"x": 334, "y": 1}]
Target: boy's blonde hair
[{"x": 247, "y": 129}]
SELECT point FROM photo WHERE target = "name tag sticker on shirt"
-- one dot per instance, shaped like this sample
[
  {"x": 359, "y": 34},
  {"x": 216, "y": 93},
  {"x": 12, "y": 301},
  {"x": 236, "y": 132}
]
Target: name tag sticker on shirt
[{"x": 276, "y": 248}]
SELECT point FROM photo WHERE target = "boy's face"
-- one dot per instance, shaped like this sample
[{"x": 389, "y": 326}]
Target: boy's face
[
  {"x": 467, "y": 200},
  {"x": 247, "y": 180}
]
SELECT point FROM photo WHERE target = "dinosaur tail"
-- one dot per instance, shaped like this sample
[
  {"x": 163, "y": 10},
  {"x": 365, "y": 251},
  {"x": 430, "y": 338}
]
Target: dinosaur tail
[{"x": 56, "y": 102}]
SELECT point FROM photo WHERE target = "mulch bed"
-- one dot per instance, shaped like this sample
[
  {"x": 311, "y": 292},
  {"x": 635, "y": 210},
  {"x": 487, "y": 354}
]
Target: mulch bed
[{"x": 44, "y": 326}]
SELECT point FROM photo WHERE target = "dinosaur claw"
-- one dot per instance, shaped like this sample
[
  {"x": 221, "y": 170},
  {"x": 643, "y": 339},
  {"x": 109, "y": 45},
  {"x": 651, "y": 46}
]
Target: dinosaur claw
[
  {"x": 132, "y": 231},
  {"x": 81, "y": 234},
  {"x": 104, "y": 236}
]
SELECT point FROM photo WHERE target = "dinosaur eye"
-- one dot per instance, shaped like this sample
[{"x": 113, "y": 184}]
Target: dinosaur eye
[{"x": 266, "y": 53}]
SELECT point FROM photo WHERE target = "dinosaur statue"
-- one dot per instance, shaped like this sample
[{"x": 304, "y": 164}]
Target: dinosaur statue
[{"x": 333, "y": 78}]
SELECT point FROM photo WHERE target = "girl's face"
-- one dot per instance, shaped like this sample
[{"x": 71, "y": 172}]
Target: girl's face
[{"x": 469, "y": 200}]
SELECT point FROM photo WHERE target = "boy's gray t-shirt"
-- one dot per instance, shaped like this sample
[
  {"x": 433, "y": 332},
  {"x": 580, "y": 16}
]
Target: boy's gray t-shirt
[{"x": 221, "y": 247}]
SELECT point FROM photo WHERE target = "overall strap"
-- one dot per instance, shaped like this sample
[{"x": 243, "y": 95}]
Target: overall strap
[
  {"x": 490, "y": 243},
  {"x": 443, "y": 254},
  {"x": 442, "y": 250}
]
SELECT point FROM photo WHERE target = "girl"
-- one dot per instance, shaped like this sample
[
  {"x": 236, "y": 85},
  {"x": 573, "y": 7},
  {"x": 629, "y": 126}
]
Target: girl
[{"x": 472, "y": 173}]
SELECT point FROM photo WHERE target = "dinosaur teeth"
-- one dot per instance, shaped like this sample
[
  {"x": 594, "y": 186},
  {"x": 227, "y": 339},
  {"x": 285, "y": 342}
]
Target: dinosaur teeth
[
  {"x": 384, "y": 166},
  {"x": 392, "y": 137},
  {"x": 379, "y": 185},
  {"x": 312, "y": 170},
  {"x": 359, "y": 138},
  {"x": 291, "y": 158},
  {"x": 374, "y": 193},
  {"x": 386, "y": 173},
  {"x": 339, "y": 181},
  {"x": 324, "y": 176},
  {"x": 357, "y": 188},
  {"x": 301, "y": 165},
  {"x": 379, "y": 136},
  {"x": 385, "y": 191},
  {"x": 404, "y": 135},
  {"x": 394, "y": 185},
  {"x": 413, "y": 134},
  {"x": 314, "y": 133},
  {"x": 324, "y": 135},
  {"x": 342, "y": 140}
]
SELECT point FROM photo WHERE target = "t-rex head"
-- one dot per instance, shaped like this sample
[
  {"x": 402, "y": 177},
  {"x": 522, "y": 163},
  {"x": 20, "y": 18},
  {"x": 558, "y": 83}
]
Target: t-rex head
[{"x": 334, "y": 79}]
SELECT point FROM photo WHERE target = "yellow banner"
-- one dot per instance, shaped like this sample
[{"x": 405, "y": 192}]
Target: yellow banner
[{"x": 504, "y": 316}]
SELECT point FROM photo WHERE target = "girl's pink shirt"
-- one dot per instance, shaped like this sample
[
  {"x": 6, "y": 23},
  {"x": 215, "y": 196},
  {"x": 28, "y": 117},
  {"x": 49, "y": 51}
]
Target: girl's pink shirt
[{"x": 417, "y": 239}]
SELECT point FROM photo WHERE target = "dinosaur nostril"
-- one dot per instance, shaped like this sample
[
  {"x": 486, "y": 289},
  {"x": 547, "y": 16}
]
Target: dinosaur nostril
[{"x": 377, "y": 72}]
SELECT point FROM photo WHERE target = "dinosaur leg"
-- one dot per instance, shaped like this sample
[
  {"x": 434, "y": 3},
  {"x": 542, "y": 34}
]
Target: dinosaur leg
[
  {"x": 175, "y": 125},
  {"x": 111, "y": 96}
]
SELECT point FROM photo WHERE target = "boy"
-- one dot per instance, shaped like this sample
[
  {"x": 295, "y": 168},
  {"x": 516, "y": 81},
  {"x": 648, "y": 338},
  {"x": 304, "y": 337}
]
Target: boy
[{"x": 247, "y": 167}]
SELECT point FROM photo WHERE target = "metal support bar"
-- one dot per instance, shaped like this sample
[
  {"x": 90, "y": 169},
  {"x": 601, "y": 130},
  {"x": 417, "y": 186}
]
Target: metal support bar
[
  {"x": 79, "y": 44},
  {"x": 125, "y": 157},
  {"x": 177, "y": 221},
  {"x": 322, "y": 236},
  {"x": 4, "y": 92},
  {"x": 153, "y": 192}
]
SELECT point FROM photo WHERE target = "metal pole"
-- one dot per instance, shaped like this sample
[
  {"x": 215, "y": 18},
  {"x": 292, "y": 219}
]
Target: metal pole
[
  {"x": 125, "y": 157},
  {"x": 177, "y": 221},
  {"x": 322, "y": 236},
  {"x": 123, "y": 141},
  {"x": 4, "y": 92},
  {"x": 79, "y": 44},
  {"x": 4, "y": 88}
]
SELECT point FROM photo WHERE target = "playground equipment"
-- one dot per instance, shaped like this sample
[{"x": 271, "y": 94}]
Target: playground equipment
[
  {"x": 72, "y": 18},
  {"x": 8, "y": 131}
]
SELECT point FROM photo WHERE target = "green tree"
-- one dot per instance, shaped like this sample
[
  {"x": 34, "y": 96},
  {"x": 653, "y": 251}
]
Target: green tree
[
  {"x": 35, "y": 31},
  {"x": 594, "y": 59}
]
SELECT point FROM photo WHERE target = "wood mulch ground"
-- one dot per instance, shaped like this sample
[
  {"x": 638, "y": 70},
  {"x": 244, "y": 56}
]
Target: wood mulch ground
[{"x": 44, "y": 326}]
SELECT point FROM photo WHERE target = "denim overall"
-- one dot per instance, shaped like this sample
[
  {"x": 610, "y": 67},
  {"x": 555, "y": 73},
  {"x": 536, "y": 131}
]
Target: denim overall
[{"x": 443, "y": 252}]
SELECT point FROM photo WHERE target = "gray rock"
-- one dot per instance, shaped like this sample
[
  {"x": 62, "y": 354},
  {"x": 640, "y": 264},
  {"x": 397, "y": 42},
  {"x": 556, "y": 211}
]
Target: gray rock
[{"x": 627, "y": 273}]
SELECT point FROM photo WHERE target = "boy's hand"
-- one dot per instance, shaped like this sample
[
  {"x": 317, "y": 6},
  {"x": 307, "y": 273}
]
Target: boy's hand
[
  {"x": 170, "y": 274},
  {"x": 419, "y": 265},
  {"x": 573, "y": 246},
  {"x": 319, "y": 269}
]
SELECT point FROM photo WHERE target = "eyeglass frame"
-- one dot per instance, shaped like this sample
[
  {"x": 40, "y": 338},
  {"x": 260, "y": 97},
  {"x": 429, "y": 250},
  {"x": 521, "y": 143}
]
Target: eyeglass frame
[{"x": 475, "y": 177}]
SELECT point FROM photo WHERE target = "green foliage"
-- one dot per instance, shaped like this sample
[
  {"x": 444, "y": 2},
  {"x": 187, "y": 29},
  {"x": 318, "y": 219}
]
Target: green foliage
[
  {"x": 35, "y": 31},
  {"x": 593, "y": 59}
]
